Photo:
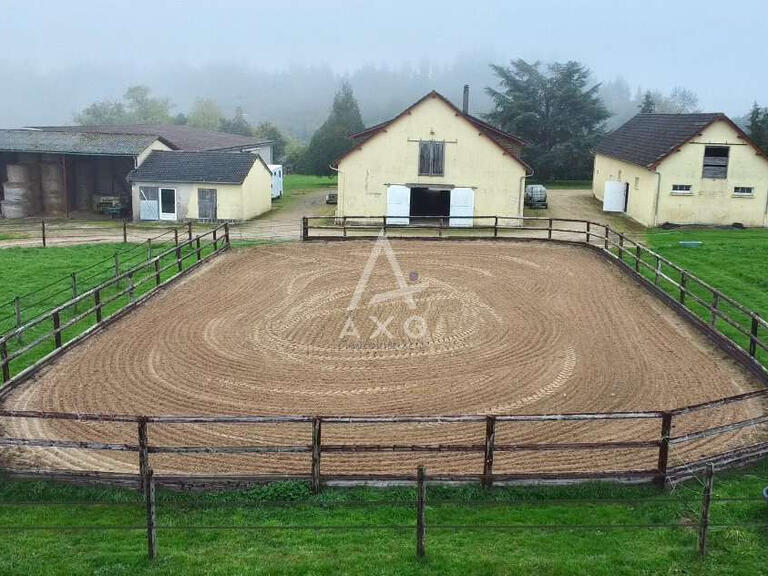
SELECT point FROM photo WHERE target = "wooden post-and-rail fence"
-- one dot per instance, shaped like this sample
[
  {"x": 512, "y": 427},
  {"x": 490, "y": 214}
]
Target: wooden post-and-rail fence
[{"x": 96, "y": 299}]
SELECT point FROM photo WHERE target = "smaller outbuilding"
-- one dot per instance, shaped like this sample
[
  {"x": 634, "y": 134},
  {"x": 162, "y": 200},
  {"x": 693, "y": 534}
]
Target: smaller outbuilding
[
  {"x": 209, "y": 186},
  {"x": 683, "y": 169}
]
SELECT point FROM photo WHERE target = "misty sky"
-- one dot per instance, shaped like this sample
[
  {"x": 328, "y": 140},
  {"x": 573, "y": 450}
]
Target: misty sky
[{"x": 717, "y": 49}]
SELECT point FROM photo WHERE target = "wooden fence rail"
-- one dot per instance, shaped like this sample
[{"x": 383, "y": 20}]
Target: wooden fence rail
[
  {"x": 486, "y": 446},
  {"x": 92, "y": 303}
]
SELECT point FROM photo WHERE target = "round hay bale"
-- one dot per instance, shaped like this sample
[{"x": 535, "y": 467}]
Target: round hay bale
[
  {"x": 16, "y": 192},
  {"x": 51, "y": 178},
  {"x": 12, "y": 209},
  {"x": 17, "y": 172}
]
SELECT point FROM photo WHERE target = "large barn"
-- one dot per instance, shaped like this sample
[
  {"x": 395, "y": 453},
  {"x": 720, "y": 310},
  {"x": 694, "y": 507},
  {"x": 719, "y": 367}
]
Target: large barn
[
  {"x": 432, "y": 160},
  {"x": 684, "y": 169}
]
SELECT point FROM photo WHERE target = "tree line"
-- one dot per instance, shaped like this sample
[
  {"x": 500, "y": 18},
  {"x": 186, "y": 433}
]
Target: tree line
[{"x": 557, "y": 108}]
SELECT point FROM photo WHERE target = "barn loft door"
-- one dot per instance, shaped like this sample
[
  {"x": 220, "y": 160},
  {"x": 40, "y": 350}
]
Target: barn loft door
[
  {"x": 462, "y": 204},
  {"x": 398, "y": 205}
]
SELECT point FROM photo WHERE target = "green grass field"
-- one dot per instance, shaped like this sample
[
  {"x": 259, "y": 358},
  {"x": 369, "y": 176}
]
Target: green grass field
[
  {"x": 371, "y": 531},
  {"x": 293, "y": 182}
]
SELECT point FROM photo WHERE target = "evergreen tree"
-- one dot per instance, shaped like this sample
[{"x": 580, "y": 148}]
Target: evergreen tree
[
  {"x": 757, "y": 127},
  {"x": 332, "y": 140},
  {"x": 237, "y": 124},
  {"x": 648, "y": 105},
  {"x": 556, "y": 110}
]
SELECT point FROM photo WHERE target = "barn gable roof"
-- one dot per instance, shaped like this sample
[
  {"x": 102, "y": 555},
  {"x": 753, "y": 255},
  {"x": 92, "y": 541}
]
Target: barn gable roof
[
  {"x": 184, "y": 166},
  {"x": 509, "y": 143},
  {"x": 54, "y": 142},
  {"x": 647, "y": 139}
]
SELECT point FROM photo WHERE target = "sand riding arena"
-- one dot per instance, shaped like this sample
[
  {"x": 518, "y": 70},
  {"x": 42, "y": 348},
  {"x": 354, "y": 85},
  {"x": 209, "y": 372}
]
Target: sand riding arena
[{"x": 326, "y": 329}]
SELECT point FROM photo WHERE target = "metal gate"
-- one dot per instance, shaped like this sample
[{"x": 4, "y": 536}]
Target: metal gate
[{"x": 206, "y": 204}]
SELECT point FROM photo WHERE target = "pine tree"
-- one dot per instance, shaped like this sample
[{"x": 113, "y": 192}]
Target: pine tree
[
  {"x": 757, "y": 126},
  {"x": 332, "y": 140},
  {"x": 648, "y": 105}
]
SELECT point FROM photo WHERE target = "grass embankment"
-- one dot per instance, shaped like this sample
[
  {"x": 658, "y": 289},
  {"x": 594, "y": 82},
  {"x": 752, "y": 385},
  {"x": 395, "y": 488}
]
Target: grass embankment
[
  {"x": 733, "y": 261},
  {"x": 468, "y": 546},
  {"x": 41, "y": 277}
]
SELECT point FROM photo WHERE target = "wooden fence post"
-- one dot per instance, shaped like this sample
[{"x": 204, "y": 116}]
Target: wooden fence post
[
  {"x": 495, "y": 226},
  {"x": 73, "y": 276},
  {"x": 157, "y": 272},
  {"x": 621, "y": 246},
  {"x": 197, "y": 248},
  {"x": 316, "y": 452},
  {"x": 17, "y": 309},
  {"x": 753, "y": 336},
  {"x": 706, "y": 500},
  {"x": 125, "y": 231},
  {"x": 666, "y": 431},
  {"x": 176, "y": 236},
  {"x": 215, "y": 241},
  {"x": 304, "y": 228},
  {"x": 344, "y": 226},
  {"x": 657, "y": 271},
  {"x": 683, "y": 285},
  {"x": 143, "y": 452},
  {"x": 42, "y": 226},
  {"x": 607, "y": 232},
  {"x": 549, "y": 230},
  {"x": 148, "y": 479},
  {"x": 179, "y": 262},
  {"x": 56, "y": 331},
  {"x": 637, "y": 258},
  {"x": 4, "y": 361},
  {"x": 97, "y": 304},
  {"x": 490, "y": 435},
  {"x": 421, "y": 504},
  {"x": 588, "y": 232},
  {"x": 226, "y": 233}
]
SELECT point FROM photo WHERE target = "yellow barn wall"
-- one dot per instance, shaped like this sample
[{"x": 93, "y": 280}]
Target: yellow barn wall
[
  {"x": 391, "y": 157},
  {"x": 712, "y": 200},
  {"x": 642, "y": 185},
  {"x": 233, "y": 201}
]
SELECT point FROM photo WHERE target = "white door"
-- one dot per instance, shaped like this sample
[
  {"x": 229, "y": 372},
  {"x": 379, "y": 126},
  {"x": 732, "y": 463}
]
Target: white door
[
  {"x": 398, "y": 205},
  {"x": 462, "y": 204},
  {"x": 148, "y": 205},
  {"x": 167, "y": 204}
]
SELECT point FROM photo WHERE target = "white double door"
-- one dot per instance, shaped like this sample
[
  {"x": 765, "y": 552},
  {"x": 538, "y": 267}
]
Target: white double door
[{"x": 399, "y": 206}]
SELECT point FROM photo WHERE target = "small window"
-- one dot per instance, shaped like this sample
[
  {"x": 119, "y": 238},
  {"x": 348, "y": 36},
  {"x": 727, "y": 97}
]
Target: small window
[
  {"x": 715, "y": 162},
  {"x": 431, "y": 158},
  {"x": 681, "y": 189},
  {"x": 744, "y": 191}
]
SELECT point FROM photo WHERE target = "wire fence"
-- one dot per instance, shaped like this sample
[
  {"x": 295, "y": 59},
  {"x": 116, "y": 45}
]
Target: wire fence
[{"x": 697, "y": 512}]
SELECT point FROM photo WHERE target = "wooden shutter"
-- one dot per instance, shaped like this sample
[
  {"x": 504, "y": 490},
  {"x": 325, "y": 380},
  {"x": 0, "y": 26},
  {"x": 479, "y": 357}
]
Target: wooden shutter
[
  {"x": 425, "y": 158},
  {"x": 438, "y": 158}
]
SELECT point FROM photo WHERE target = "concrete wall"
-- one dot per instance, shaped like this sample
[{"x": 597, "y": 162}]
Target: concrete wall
[
  {"x": 392, "y": 157},
  {"x": 233, "y": 201},
  {"x": 710, "y": 201},
  {"x": 642, "y": 185}
]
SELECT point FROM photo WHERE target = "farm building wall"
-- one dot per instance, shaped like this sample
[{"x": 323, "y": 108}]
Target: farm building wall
[
  {"x": 156, "y": 145},
  {"x": 642, "y": 185},
  {"x": 712, "y": 201},
  {"x": 233, "y": 201},
  {"x": 392, "y": 157}
]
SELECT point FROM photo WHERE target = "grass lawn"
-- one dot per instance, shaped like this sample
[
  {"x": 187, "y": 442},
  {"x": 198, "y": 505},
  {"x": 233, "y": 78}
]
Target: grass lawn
[
  {"x": 336, "y": 530},
  {"x": 733, "y": 261},
  {"x": 293, "y": 182},
  {"x": 563, "y": 184}
]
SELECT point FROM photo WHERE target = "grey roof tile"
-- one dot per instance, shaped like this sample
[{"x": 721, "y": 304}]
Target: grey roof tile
[
  {"x": 184, "y": 166},
  {"x": 53, "y": 142}
]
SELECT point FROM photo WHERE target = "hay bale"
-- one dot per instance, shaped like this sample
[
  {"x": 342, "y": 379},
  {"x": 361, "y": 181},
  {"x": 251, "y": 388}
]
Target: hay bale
[
  {"x": 17, "y": 173},
  {"x": 14, "y": 209}
]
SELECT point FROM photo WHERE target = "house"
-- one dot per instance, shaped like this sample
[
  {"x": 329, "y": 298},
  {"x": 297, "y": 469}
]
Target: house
[
  {"x": 182, "y": 185},
  {"x": 684, "y": 169},
  {"x": 432, "y": 160},
  {"x": 52, "y": 173}
]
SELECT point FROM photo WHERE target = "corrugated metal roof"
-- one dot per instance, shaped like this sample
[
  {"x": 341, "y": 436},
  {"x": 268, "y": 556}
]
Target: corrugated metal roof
[
  {"x": 53, "y": 142},
  {"x": 178, "y": 166},
  {"x": 182, "y": 137}
]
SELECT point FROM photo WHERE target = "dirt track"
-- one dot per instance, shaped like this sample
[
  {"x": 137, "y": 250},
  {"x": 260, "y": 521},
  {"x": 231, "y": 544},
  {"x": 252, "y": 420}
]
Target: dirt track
[{"x": 508, "y": 328}]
